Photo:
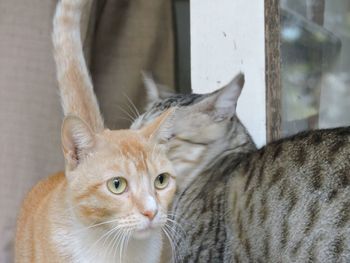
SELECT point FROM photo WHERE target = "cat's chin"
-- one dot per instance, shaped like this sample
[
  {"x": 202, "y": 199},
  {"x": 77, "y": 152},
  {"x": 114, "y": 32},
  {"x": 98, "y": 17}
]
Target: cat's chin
[{"x": 145, "y": 233}]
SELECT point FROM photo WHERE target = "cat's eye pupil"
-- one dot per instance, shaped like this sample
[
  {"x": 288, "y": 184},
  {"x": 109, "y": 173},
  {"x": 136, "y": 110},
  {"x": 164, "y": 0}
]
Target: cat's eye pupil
[
  {"x": 116, "y": 183},
  {"x": 161, "y": 181}
]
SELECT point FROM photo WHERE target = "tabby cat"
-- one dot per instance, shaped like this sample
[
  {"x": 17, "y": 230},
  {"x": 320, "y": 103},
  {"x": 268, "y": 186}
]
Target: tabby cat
[
  {"x": 286, "y": 202},
  {"x": 111, "y": 203}
]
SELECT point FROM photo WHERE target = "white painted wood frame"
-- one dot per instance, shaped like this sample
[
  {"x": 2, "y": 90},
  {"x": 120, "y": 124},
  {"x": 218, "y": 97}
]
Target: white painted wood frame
[{"x": 227, "y": 36}]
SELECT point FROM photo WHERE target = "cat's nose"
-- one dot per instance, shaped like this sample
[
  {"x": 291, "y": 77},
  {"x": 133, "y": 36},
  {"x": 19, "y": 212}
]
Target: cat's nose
[
  {"x": 150, "y": 213},
  {"x": 149, "y": 207}
]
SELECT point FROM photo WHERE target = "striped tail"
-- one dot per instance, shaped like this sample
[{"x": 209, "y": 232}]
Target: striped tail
[{"x": 75, "y": 85}]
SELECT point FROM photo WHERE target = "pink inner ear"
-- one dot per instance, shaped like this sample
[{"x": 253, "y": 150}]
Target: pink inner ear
[
  {"x": 223, "y": 102},
  {"x": 77, "y": 140},
  {"x": 228, "y": 95}
]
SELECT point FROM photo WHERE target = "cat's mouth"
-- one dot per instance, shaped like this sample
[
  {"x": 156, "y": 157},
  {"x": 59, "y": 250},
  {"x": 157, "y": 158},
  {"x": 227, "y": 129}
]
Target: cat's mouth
[{"x": 145, "y": 231}]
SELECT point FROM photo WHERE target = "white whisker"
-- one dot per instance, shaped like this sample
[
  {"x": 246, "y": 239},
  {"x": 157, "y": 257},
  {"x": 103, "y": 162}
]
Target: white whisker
[
  {"x": 128, "y": 234},
  {"x": 132, "y": 104},
  {"x": 122, "y": 118},
  {"x": 127, "y": 113},
  {"x": 176, "y": 224},
  {"x": 176, "y": 239},
  {"x": 105, "y": 235},
  {"x": 95, "y": 225},
  {"x": 114, "y": 234},
  {"x": 171, "y": 244},
  {"x": 116, "y": 244},
  {"x": 131, "y": 111},
  {"x": 121, "y": 247}
]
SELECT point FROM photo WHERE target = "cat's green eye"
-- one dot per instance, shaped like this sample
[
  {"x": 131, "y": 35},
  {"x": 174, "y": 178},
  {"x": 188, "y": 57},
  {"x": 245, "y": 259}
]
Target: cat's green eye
[
  {"x": 117, "y": 185},
  {"x": 162, "y": 181}
]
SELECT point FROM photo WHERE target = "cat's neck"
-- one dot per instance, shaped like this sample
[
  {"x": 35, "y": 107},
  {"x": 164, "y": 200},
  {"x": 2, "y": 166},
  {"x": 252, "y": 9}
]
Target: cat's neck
[{"x": 86, "y": 244}]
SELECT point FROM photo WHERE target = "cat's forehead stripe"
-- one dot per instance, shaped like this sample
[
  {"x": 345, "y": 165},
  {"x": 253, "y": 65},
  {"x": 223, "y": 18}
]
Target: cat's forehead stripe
[
  {"x": 177, "y": 100},
  {"x": 141, "y": 165},
  {"x": 132, "y": 147},
  {"x": 173, "y": 101},
  {"x": 134, "y": 150}
]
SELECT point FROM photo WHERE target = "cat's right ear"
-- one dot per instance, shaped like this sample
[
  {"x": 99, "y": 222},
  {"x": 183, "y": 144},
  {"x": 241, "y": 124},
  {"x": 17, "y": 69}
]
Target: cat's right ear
[
  {"x": 221, "y": 104},
  {"x": 77, "y": 140}
]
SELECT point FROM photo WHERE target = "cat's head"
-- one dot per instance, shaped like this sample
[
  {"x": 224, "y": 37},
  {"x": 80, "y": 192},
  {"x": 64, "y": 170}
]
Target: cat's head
[
  {"x": 204, "y": 127},
  {"x": 122, "y": 179}
]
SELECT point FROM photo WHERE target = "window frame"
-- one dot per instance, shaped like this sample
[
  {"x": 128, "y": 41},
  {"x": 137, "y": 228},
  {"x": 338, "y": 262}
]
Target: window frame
[{"x": 273, "y": 70}]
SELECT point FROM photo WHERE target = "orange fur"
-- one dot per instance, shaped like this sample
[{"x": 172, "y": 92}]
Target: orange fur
[
  {"x": 33, "y": 222},
  {"x": 80, "y": 198}
]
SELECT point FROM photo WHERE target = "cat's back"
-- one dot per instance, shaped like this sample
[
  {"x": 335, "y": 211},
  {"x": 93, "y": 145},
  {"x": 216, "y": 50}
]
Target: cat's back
[
  {"x": 313, "y": 161},
  {"x": 319, "y": 157},
  {"x": 32, "y": 220},
  {"x": 291, "y": 200},
  {"x": 312, "y": 146}
]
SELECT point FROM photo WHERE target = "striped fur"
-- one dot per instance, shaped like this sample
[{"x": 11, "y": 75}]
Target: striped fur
[{"x": 287, "y": 202}]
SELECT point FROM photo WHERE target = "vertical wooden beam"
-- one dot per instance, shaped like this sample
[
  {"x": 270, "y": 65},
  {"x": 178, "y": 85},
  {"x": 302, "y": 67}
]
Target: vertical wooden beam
[{"x": 273, "y": 70}]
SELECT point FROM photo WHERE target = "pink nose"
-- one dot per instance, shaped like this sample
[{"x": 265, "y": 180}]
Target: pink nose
[{"x": 150, "y": 214}]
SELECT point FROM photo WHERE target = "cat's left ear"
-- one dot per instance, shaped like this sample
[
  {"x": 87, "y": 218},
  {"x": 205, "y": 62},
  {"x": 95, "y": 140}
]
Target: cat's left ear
[
  {"x": 152, "y": 91},
  {"x": 221, "y": 104},
  {"x": 160, "y": 130}
]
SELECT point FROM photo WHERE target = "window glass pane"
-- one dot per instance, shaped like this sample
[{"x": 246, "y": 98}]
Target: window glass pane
[{"x": 315, "y": 53}]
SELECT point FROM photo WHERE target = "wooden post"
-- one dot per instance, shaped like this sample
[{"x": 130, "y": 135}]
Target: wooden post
[{"x": 273, "y": 70}]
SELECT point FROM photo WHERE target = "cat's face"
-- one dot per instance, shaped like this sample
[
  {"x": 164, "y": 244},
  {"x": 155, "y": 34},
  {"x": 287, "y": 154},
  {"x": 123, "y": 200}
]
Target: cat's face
[
  {"x": 204, "y": 125},
  {"x": 120, "y": 177}
]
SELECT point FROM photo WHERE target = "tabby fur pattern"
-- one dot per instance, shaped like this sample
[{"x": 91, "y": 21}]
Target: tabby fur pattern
[{"x": 286, "y": 202}]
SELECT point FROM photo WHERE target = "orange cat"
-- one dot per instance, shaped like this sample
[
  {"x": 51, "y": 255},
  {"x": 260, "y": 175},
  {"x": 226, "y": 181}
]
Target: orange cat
[
  {"x": 115, "y": 193},
  {"x": 111, "y": 203},
  {"x": 116, "y": 190}
]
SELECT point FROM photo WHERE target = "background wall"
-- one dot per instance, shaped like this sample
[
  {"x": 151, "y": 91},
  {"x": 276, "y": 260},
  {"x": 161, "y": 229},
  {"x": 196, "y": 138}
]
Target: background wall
[{"x": 227, "y": 37}]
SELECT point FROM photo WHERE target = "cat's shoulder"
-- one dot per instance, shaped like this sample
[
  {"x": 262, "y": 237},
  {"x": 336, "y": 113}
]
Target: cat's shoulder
[
  {"x": 35, "y": 207},
  {"x": 42, "y": 189}
]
